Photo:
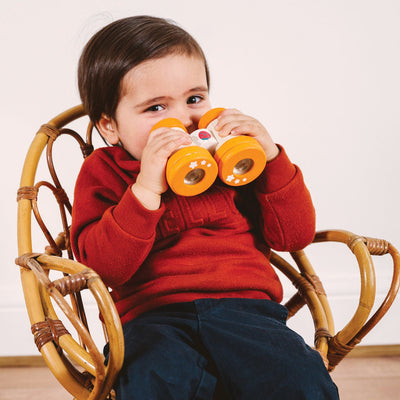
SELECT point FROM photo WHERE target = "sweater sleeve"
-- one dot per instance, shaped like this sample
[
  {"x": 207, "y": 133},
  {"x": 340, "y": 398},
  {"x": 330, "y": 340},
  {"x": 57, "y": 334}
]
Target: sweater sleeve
[
  {"x": 287, "y": 210},
  {"x": 108, "y": 222}
]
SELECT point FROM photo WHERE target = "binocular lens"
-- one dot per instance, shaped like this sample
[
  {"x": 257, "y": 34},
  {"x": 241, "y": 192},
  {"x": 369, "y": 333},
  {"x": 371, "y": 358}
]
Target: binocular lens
[
  {"x": 243, "y": 166},
  {"x": 194, "y": 176}
]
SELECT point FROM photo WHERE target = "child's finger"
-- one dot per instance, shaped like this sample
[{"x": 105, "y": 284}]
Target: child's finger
[
  {"x": 162, "y": 143},
  {"x": 236, "y": 124},
  {"x": 226, "y": 116},
  {"x": 168, "y": 137}
]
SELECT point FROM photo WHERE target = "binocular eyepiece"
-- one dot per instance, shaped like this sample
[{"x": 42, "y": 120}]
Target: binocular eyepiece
[{"x": 191, "y": 170}]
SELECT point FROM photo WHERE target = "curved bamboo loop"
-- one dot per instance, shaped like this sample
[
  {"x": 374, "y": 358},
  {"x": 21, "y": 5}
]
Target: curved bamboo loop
[
  {"x": 96, "y": 367},
  {"x": 68, "y": 116},
  {"x": 306, "y": 269},
  {"x": 359, "y": 326},
  {"x": 48, "y": 351},
  {"x": 28, "y": 176},
  {"x": 62, "y": 373},
  {"x": 94, "y": 361},
  {"x": 101, "y": 294},
  {"x": 390, "y": 297},
  {"x": 367, "y": 294},
  {"x": 310, "y": 297},
  {"x": 38, "y": 289},
  {"x": 367, "y": 275}
]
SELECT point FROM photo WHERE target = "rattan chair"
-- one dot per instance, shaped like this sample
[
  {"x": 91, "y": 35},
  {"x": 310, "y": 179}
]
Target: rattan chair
[{"x": 74, "y": 358}]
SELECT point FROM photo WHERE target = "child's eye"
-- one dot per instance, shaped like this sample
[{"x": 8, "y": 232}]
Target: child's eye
[
  {"x": 155, "y": 108},
  {"x": 194, "y": 99}
]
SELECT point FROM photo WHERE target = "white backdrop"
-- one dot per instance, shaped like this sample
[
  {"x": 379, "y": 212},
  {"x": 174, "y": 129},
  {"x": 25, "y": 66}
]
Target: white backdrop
[{"x": 323, "y": 76}]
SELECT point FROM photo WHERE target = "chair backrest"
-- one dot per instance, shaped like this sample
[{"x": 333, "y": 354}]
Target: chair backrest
[{"x": 77, "y": 363}]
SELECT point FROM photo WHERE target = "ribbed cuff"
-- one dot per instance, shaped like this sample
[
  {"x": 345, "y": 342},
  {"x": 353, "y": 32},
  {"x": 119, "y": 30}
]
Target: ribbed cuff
[{"x": 277, "y": 173}]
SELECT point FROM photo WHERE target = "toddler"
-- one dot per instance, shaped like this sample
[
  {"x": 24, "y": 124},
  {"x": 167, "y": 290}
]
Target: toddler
[{"x": 190, "y": 276}]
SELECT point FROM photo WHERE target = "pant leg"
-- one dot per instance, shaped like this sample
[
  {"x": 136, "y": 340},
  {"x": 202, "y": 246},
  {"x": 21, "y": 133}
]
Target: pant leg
[
  {"x": 161, "y": 360},
  {"x": 257, "y": 356}
]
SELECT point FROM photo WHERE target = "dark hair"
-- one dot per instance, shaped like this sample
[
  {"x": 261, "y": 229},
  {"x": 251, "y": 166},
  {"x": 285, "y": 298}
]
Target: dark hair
[{"x": 120, "y": 46}]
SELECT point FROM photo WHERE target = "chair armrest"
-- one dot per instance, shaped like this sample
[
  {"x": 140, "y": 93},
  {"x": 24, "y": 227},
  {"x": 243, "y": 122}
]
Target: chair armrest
[
  {"x": 64, "y": 356},
  {"x": 359, "y": 325}
]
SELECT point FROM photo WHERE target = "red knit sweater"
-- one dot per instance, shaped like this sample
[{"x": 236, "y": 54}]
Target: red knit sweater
[{"x": 212, "y": 245}]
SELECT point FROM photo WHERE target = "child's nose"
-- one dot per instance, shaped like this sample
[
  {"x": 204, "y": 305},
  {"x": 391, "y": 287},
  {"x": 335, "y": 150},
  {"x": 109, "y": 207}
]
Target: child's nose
[{"x": 188, "y": 120}]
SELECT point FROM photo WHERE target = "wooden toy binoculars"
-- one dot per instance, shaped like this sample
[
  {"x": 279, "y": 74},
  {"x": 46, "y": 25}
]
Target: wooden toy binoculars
[{"x": 192, "y": 169}]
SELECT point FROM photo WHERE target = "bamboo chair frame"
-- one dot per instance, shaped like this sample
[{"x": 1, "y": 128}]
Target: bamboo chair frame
[{"x": 80, "y": 366}]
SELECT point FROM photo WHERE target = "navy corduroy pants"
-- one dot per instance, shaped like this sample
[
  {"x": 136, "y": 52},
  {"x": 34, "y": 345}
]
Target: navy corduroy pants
[{"x": 221, "y": 349}]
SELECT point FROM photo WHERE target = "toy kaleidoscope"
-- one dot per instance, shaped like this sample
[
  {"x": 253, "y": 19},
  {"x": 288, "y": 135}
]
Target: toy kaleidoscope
[{"x": 191, "y": 170}]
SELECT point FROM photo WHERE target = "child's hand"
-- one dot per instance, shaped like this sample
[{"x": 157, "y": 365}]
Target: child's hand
[
  {"x": 236, "y": 123},
  {"x": 151, "y": 182}
]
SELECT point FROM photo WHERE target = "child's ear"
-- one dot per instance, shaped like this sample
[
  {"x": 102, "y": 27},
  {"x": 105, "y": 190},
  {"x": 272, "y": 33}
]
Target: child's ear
[{"x": 108, "y": 129}]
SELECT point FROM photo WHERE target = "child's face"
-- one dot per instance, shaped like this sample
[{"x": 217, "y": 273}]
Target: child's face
[{"x": 172, "y": 86}]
